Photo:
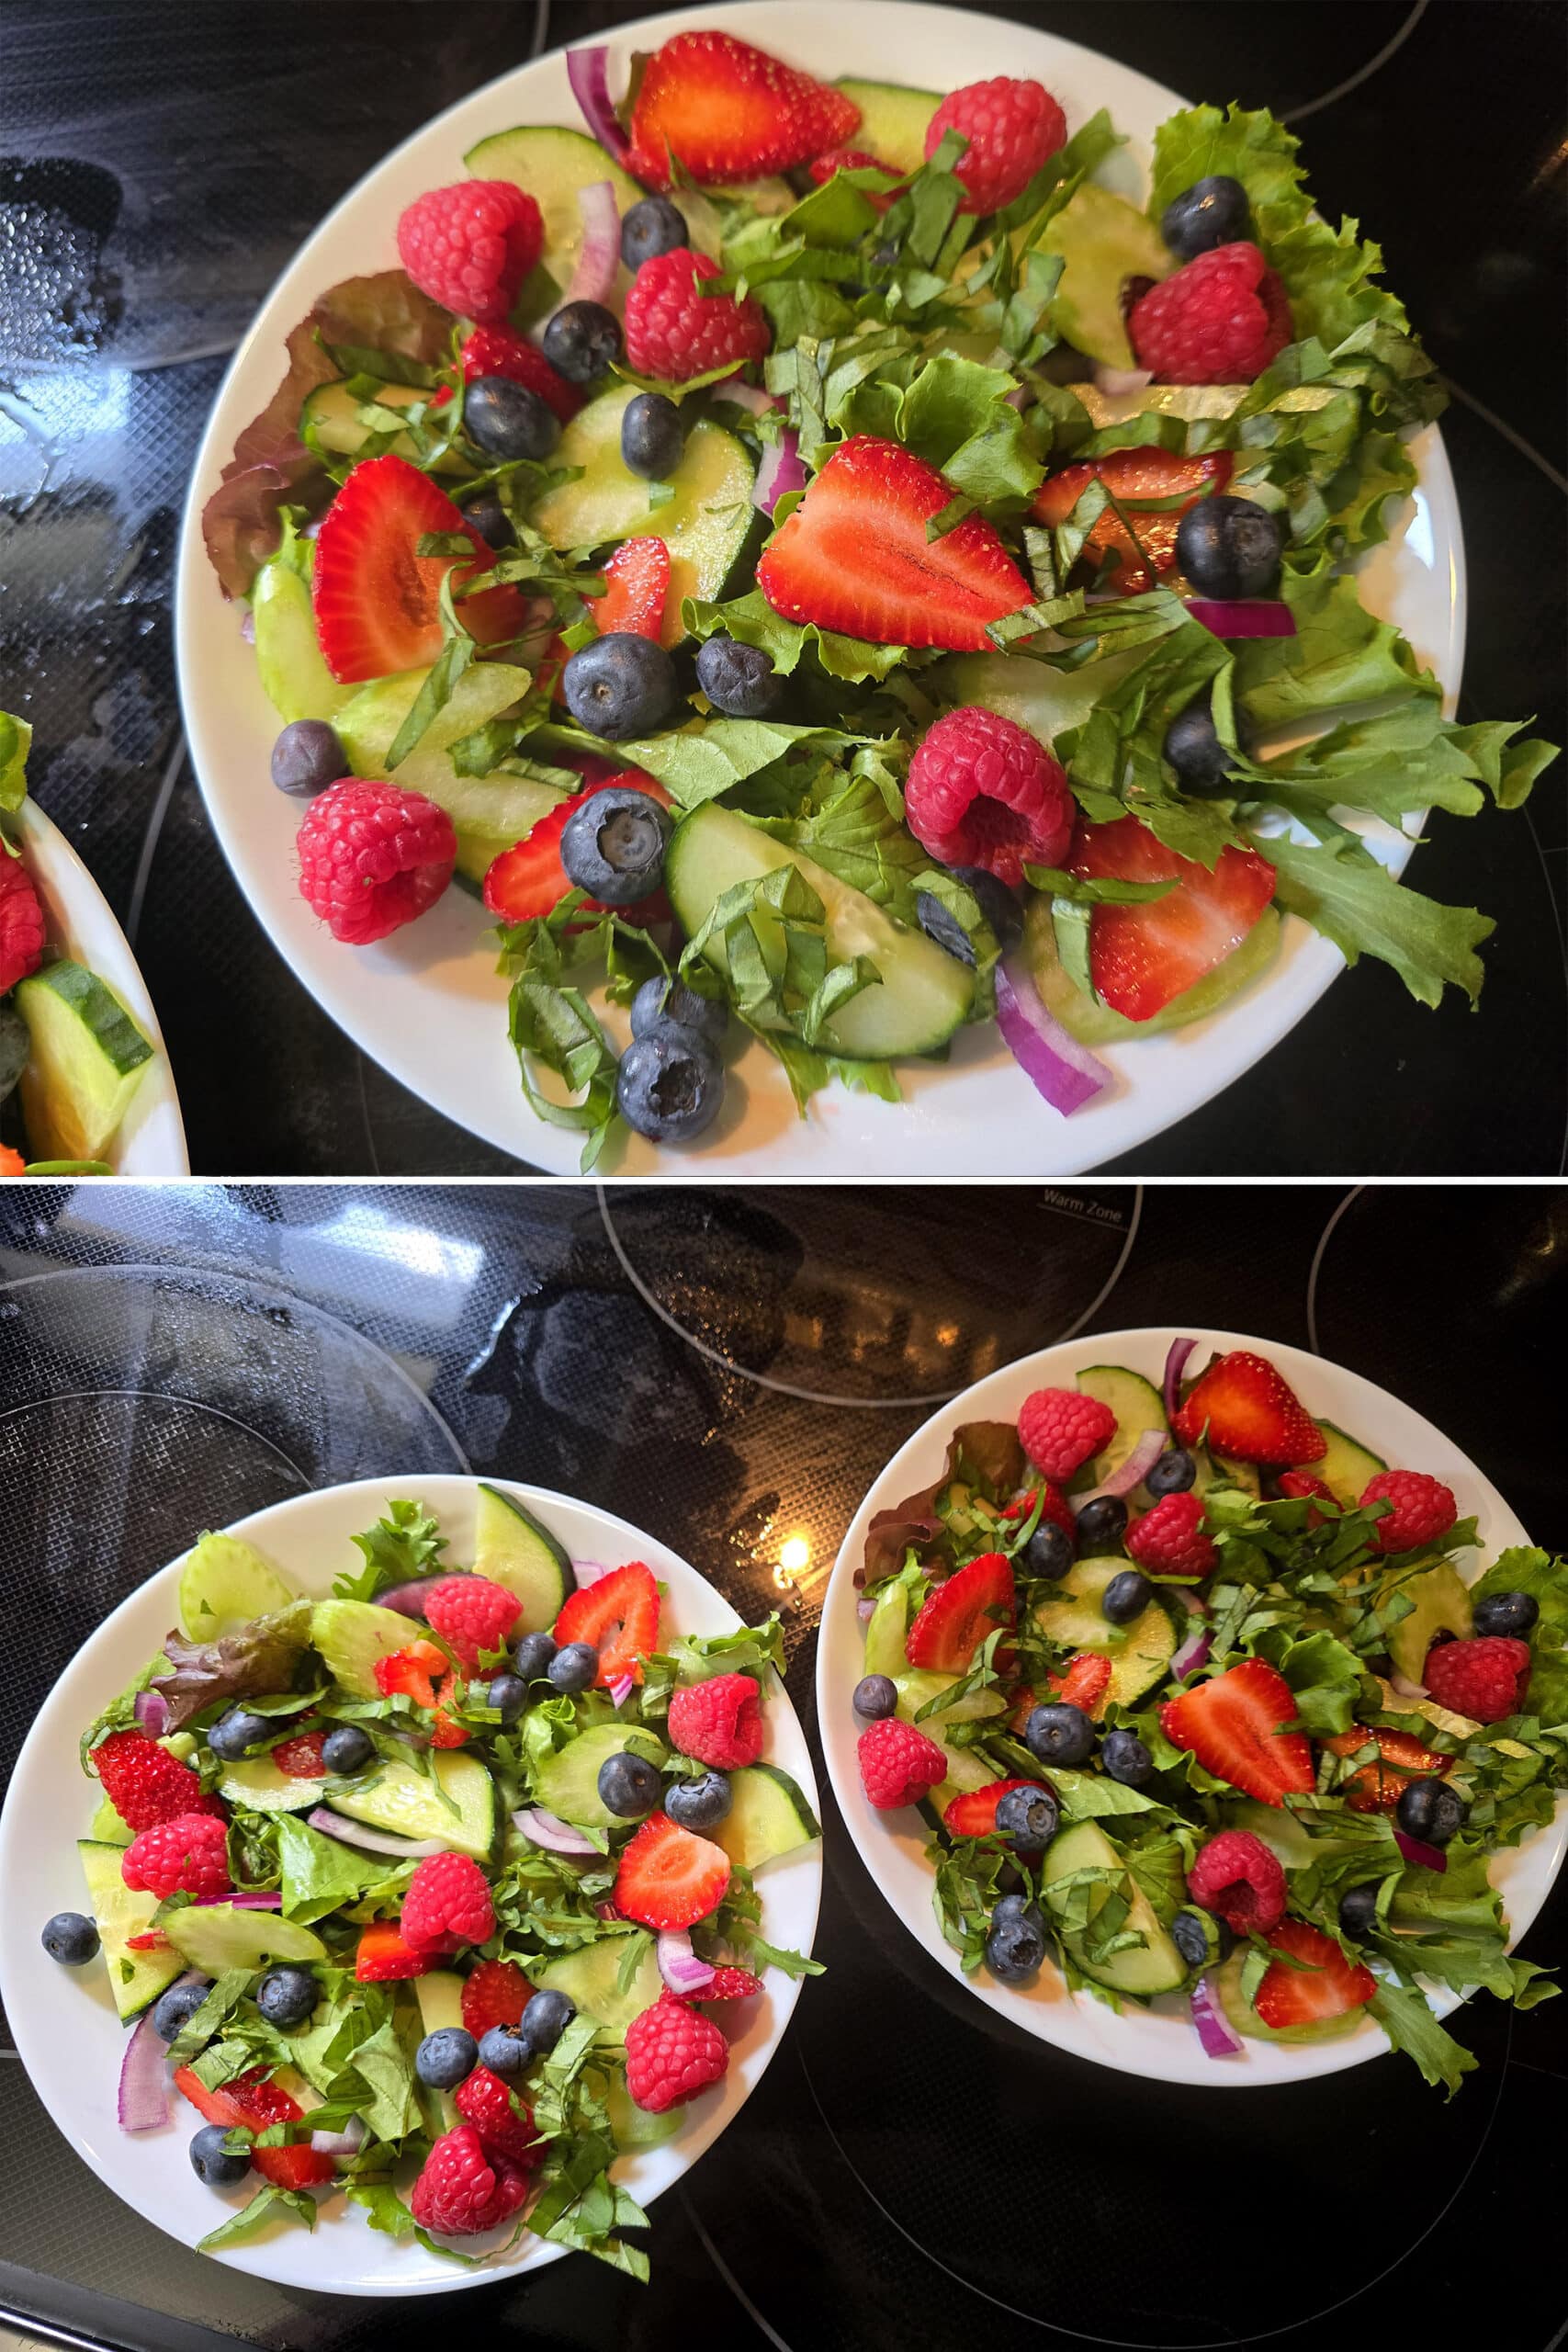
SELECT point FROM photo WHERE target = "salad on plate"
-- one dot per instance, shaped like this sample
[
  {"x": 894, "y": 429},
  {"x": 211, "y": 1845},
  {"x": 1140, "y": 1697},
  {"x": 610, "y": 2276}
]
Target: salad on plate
[
  {"x": 1206, "y": 1707},
  {"x": 828, "y": 570},
  {"x": 436, "y": 1896}
]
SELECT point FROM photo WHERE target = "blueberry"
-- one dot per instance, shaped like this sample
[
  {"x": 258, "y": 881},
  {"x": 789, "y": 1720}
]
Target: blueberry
[
  {"x": 1229, "y": 547},
  {"x": 1027, "y": 1818},
  {"x": 1061, "y": 1733},
  {"x": 508, "y": 1693},
  {"x": 944, "y": 928},
  {"x": 1016, "y": 1945},
  {"x": 507, "y": 421},
  {"x": 1508, "y": 1614},
  {"x": 653, "y": 436},
  {"x": 1172, "y": 1474},
  {"x": 346, "y": 1749},
  {"x": 1124, "y": 1756},
  {"x": 1210, "y": 213},
  {"x": 287, "y": 1995},
  {"x": 997, "y": 903},
  {"x": 620, "y": 685},
  {"x": 232, "y": 1734},
  {"x": 1429, "y": 1810},
  {"x": 739, "y": 679},
  {"x": 1359, "y": 1910},
  {"x": 447, "y": 2058},
  {"x": 1102, "y": 1525},
  {"x": 504, "y": 2050},
  {"x": 613, "y": 846},
  {"x": 70, "y": 1937},
  {"x": 652, "y": 227},
  {"x": 629, "y": 1785},
  {"x": 875, "y": 1695},
  {"x": 660, "y": 1001},
  {"x": 546, "y": 2018},
  {"x": 700, "y": 1805},
  {"x": 212, "y": 2162},
  {"x": 575, "y": 1668},
  {"x": 533, "y": 1656},
  {"x": 175, "y": 2009},
  {"x": 669, "y": 1085},
  {"x": 1191, "y": 1936},
  {"x": 489, "y": 519},
  {"x": 1126, "y": 1597},
  {"x": 1048, "y": 1552},
  {"x": 1202, "y": 763},
  {"x": 307, "y": 757},
  {"x": 581, "y": 341}
]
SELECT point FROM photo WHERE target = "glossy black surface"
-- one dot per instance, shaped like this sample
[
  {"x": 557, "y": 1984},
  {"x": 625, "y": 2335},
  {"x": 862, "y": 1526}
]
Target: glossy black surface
[
  {"x": 910, "y": 2171},
  {"x": 159, "y": 165}
]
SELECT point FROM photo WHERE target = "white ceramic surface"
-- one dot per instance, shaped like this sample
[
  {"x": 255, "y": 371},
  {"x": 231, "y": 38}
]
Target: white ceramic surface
[
  {"x": 66, "y": 2031},
  {"x": 1159, "y": 2041}
]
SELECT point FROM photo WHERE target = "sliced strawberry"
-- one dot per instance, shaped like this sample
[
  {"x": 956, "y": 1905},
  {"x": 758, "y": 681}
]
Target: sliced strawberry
[
  {"x": 973, "y": 1814},
  {"x": 1234, "y": 1726},
  {"x": 637, "y": 581},
  {"x": 377, "y": 601},
  {"x": 619, "y": 1616},
  {"x": 302, "y": 1757},
  {"x": 854, "y": 555},
  {"x": 150, "y": 1939},
  {"x": 1326, "y": 1986},
  {"x": 1085, "y": 1683},
  {"x": 1248, "y": 1410},
  {"x": 383, "y": 1956},
  {"x": 1378, "y": 1787},
  {"x": 254, "y": 2102},
  {"x": 1140, "y": 480},
  {"x": 529, "y": 879},
  {"x": 1141, "y": 956},
  {"x": 667, "y": 1877},
  {"x": 728, "y": 112},
  {"x": 956, "y": 1618},
  {"x": 412, "y": 1673}
]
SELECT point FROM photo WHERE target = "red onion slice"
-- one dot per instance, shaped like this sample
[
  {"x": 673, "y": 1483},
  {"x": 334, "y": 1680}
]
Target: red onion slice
[
  {"x": 589, "y": 1571},
  {"x": 1175, "y": 1366},
  {"x": 1056, "y": 1065},
  {"x": 1242, "y": 616},
  {"x": 408, "y": 1600},
  {"x": 151, "y": 1712},
  {"x": 374, "y": 1842},
  {"x": 680, "y": 1967},
  {"x": 346, "y": 2142},
  {"x": 751, "y": 396},
  {"x": 593, "y": 279},
  {"x": 587, "y": 71},
  {"x": 1215, "y": 2031},
  {"x": 1133, "y": 1471},
  {"x": 146, "y": 2087},
  {"x": 556, "y": 1837},
  {"x": 1416, "y": 1850},
  {"x": 620, "y": 1688},
  {"x": 1193, "y": 1652},
  {"x": 865, "y": 1609},
  {"x": 781, "y": 470},
  {"x": 262, "y": 1901},
  {"x": 1405, "y": 1688}
]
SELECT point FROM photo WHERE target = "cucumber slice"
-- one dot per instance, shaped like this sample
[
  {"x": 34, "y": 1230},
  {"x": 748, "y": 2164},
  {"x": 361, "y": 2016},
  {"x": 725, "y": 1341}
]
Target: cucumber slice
[
  {"x": 1093, "y": 1024},
  {"x": 288, "y": 654},
  {"x": 515, "y": 1552},
  {"x": 922, "y": 995},
  {"x": 967, "y": 1772},
  {"x": 1441, "y": 1605},
  {"x": 1345, "y": 1467},
  {"x": 216, "y": 1936},
  {"x": 1103, "y": 241},
  {"x": 352, "y": 1636},
  {"x": 1138, "y": 1406},
  {"x": 440, "y": 1997},
  {"x": 135, "y": 1977},
  {"x": 1153, "y": 1966},
  {"x": 256, "y": 1784},
  {"x": 1245, "y": 2019},
  {"x": 567, "y": 1782},
  {"x": 768, "y": 1817},
  {"x": 893, "y": 122},
  {"x": 495, "y": 809},
  {"x": 588, "y": 1978},
  {"x": 329, "y": 424},
  {"x": 705, "y": 526},
  {"x": 1223, "y": 1470},
  {"x": 553, "y": 166},
  {"x": 1140, "y": 1652},
  {"x": 107, "y": 1828},
  {"x": 400, "y": 1797},
  {"x": 87, "y": 1062},
  {"x": 918, "y": 1686},
  {"x": 632, "y": 2126},
  {"x": 886, "y": 1630},
  {"x": 223, "y": 1584}
]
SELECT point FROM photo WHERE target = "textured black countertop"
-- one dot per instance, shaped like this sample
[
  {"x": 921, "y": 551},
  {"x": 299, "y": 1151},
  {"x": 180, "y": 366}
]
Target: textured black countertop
[{"x": 160, "y": 164}]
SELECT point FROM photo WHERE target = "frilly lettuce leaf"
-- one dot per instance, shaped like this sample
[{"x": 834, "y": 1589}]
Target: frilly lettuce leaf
[
  {"x": 1343, "y": 892},
  {"x": 262, "y": 1657}
]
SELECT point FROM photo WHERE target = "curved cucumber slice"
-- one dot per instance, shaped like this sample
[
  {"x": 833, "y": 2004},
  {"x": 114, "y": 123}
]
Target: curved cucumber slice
[
  {"x": 589, "y": 1979},
  {"x": 922, "y": 995},
  {"x": 223, "y": 1584},
  {"x": 1140, "y": 1652},
  {"x": 893, "y": 122},
  {"x": 630, "y": 2125},
  {"x": 491, "y": 812},
  {"x": 87, "y": 1061},
  {"x": 1138, "y": 1407},
  {"x": 918, "y": 1686},
  {"x": 1347, "y": 1466},
  {"x": 1093, "y": 1024},
  {"x": 1153, "y": 1966},
  {"x": 885, "y": 1633},
  {"x": 440, "y": 1997},
  {"x": 515, "y": 1552},
  {"x": 553, "y": 166},
  {"x": 215, "y": 1935},
  {"x": 299, "y": 684},
  {"x": 256, "y": 1784},
  {"x": 768, "y": 1817},
  {"x": 353, "y": 1636},
  {"x": 135, "y": 1977},
  {"x": 329, "y": 424},
  {"x": 1103, "y": 241},
  {"x": 460, "y": 1807},
  {"x": 567, "y": 1782}
]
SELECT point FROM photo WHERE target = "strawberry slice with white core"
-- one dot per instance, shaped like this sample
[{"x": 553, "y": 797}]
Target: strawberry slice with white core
[{"x": 1143, "y": 955}]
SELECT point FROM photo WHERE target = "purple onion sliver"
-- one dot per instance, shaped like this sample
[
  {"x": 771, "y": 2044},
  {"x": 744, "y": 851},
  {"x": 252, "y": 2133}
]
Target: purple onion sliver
[
  {"x": 1193, "y": 1653},
  {"x": 865, "y": 1609},
  {"x": 1416, "y": 1850},
  {"x": 1114, "y": 381},
  {"x": 1242, "y": 616},
  {"x": 620, "y": 1689},
  {"x": 593, "y": 279},
  {"x": 679, "y": 1965},
  {"x": 1133, "y": 1471},
  {"x": 248, "y": 627},
  {"x": 1174, "y": 1365},
  {"x": 780, "y": 470},
  {"x": 408, "y": 1599},
  {"x": 587, "y": 71},
  {"x": 346, "y": 2142},
  {"x": 1215, "y": 2031},
  {"x": 373, "y": 1841},
  {"x": 1405, "y": 1688},
  {"x": 143, "y": 2101},
  {"x": 553, "y": 1834},
  {"x": 589, "y": 1571},
  {"x": 260, "y": 1902},
  {"x": 1065, "y": 1073},
  {"x": 151, "y": 1712}
]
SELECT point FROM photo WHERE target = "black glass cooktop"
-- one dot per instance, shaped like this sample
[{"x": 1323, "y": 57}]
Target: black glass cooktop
[
  {"x": 158, "y": 167},
  {"x": 730, "y": 1369}
]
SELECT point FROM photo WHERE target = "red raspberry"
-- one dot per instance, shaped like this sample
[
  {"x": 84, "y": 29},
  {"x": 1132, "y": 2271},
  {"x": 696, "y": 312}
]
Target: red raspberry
[
  {"x": 672, "y": 2052},
  {"x": 373, "y": 857},
  {"x": 469, "y": 247},
  {"x": 497, "y": 351},
  {"x": 446, "y": 1904},
  {"x": 985, "y": 792},
  {"x": 186, "y": 1856},
  {"x": 461, "y": 2192},
  {"x": 471, "y": 1614},
  {"x": 1219, "y": 320},
  {"x": 1056, "y": 1508},
  {"x": 720, "y": 1722},
  {"x": 1485, "y": 1680},
  {"x": 853, "y": 159},
  {"x": 496, "y": 1994},
  {"x": 673, "y": 331},
  {"x": 1423, "y": 1509},
  {"x": 145, "y": 1784},
  {"x": 898, "y": 1764},
  {"x": 1170, "y": 1539},
  {"x": 1240, "y": 1880},
  {"x": 483, "y": 2100},
  {"x": 731, "y": 1984},
  {"x": 21, "y": 922},
  {"x": 302, "y": 1757},
  {"x": 1013, "y": 128},
  {"x": 381, "y": 1957},
  {"x": 1060, "y": 1428}
]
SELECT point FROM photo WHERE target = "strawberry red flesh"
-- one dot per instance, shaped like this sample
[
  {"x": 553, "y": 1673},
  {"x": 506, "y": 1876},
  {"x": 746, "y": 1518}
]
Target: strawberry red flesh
[
  {"x": 1233, "y": 1725},
  {"x": 1144, "y": 547},
  {"x": 636, "y": 581},
  {"x": 529, "y": 879},
  {"x": 956, "y": 1617},
  {"x": 618, "y": 1616},
  {"x": 1143, "y": 955},
  {"x": 376, "y": 599},
  {"x": 668, "y": 1877},
  {"x": 255, "y": 2101},
  {"x": 1250, "y": 1411},
  {"x": 1326, "y": 1986},
  {"x": 728, "y": 112}
]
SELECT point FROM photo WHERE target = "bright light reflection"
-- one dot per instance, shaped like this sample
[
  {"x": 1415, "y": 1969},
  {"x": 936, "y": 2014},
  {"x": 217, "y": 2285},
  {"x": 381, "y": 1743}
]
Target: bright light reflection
[{"x": 794, "y": 1554}]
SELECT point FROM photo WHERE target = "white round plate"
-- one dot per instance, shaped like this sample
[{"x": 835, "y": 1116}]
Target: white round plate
[
  {"x": 152, "y": 1139},
  {"x": 1159, "y": 2041},
  {"x": 67, "y": 2034},
  {"x": 428, "y": 1005}
]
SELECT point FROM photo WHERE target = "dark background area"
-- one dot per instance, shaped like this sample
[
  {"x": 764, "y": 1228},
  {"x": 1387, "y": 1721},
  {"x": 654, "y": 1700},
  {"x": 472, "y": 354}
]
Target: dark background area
[
  {"x": 159, "y": 165},
  {"x": 730, "y": 1369}
]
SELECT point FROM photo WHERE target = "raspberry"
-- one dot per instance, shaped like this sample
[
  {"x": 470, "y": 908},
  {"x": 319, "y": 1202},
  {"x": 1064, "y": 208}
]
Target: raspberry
[
  {"x": 1423, "y": 1509},
  {"x": 852, "y": 159},
  {"x": 302, "y": 1757},
  {"x": 1484, "y": 1680},
  {"x": 898, "y": 1764},
  {"x": 674, "y": 332},
  {"x": 1170, "y": 1539},
  {"x": 471, "y": 247},
  {"x": 720, "y": 1722},
  {"x": 145, "y": 1784},
  {"x": 446, "y": 1904},
  {"x": 461, "y": 2192},
  {"x": 1240, "y": 1880},
  {"x": 483, "y": 2100},
  {"x": 21, "y": 922},
  {"x": 1056, "y": 1508},
  {"x": 381, "y": 1956},
  {"x": 186, "y": 1856},
  {"x": 731, "y": 1984},
  {"x": 1012, "y": 129},
  {"x": 1301, "y": 1485},
  {"x": 1220, "y": 320},
  {"x": 497, "y": 351},
  {"x": 985, "y": 792},
  {"x": 1060, "y": 1428},
  {"x": 672, "y": 2052},
  {"x": 496, "y": 1994},
  {"x": 471, "y": 1614},
  {"x": 373, "y": 857}
]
